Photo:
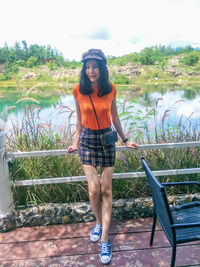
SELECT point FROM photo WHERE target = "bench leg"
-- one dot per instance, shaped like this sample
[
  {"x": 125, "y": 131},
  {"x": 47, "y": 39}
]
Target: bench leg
[
  {"x": 153, "y": 228},
  {"x": 173, "y": 255}
]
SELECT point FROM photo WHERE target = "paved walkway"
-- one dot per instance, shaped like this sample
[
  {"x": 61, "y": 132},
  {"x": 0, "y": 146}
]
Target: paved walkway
[{"x": 69, "y": 246}]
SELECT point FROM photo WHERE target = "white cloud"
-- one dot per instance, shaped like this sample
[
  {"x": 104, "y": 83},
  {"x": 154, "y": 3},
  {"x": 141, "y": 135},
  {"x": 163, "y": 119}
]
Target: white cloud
[{"x": 118, "y": 27}]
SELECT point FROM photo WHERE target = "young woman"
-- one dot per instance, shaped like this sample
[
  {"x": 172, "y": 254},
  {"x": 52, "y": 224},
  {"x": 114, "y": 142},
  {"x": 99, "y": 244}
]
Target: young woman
[{"x": 94, "y": 83}]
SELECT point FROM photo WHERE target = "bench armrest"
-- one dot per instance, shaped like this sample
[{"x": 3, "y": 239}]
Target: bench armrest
[
  {"x": 181, "y": 183},
  {"x": 185, "y": 225}
]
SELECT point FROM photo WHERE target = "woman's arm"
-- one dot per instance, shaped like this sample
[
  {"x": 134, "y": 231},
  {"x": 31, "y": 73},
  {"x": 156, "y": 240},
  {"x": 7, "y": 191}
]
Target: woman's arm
[
  {"x": 117, "y": 124},
  {"x": 78, "y": 128}
]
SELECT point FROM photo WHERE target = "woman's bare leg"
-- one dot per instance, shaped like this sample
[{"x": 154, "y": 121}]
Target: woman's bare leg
[
  {"x": 94, "y": 191},
  {"x": 106, "y": 193}
]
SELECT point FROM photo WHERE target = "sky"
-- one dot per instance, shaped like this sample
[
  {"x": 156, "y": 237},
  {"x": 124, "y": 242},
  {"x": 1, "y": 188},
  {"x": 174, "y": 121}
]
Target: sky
[{"x": 118, "y": 27}]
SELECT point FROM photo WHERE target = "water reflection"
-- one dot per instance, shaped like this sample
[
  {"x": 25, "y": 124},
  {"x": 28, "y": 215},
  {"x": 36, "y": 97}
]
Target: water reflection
[
  {"x": 182, "y": 104},
  {"x": 178, "y": 105}
]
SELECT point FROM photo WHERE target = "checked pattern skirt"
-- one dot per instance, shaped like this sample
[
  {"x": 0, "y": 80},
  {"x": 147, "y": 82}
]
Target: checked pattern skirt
[{"x": 91, "y": 150}]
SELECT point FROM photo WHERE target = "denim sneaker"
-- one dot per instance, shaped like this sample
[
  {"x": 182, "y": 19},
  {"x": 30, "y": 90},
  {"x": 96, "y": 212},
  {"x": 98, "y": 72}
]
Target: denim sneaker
[
  {"x": 95, "y": 234},
  {"x": 106, "y": 252}
]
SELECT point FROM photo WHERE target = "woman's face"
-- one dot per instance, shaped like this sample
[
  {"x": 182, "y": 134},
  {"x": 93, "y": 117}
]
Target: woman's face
[{"x": 92, "y": 72}]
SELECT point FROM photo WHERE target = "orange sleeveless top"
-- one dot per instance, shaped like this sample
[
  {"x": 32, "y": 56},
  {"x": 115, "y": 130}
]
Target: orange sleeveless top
[{"x": 102, "y": 106}]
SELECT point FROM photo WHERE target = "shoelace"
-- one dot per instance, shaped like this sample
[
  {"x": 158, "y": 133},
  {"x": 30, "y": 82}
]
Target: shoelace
[
  {"x": 96, "y": 229},
  {"x": 105, "y": 248}
]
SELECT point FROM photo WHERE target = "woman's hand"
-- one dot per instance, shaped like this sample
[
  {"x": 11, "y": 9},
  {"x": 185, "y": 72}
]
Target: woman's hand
[
  {"x": 72, "y": 149},
  {"x": 131, "y": 144}
]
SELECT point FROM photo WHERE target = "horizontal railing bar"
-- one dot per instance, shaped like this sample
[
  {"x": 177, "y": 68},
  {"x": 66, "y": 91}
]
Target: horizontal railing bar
[
  {"x": 60, "y": 152},
  {"x": 115, "y": 176}
]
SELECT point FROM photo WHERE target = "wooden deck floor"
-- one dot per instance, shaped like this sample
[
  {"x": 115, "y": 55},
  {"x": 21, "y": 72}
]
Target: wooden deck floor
[{"x": 69, "y": 245}]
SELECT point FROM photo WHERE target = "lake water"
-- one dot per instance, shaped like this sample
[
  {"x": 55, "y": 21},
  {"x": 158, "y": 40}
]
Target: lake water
[{"x": 176, "y": 105}]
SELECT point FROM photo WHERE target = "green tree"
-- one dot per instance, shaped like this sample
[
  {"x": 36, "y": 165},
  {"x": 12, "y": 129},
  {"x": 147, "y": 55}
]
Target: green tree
[
  {"x": 192, "y": 58},
  {"x": 3, "y": 55},
  {"x": 147, "y": 56},
  {"x": 32, "y": 62}
]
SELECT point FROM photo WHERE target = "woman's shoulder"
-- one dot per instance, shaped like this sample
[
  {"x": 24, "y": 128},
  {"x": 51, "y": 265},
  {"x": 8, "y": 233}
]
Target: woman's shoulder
[
  {"x": 75, "y": 90},
  {"x": 114, "y": 90},
  {"x": 113, "y": 85},
  {"x": 76, "y": 86}
]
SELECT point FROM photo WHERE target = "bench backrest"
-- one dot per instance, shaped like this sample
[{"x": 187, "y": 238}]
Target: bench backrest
[{"x": 161, "y": 205}]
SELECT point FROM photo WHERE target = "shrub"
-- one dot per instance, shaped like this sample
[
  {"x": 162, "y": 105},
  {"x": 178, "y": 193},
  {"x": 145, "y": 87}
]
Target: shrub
[
  {"x": 51, "y": 65},
  {"x": 120, "y": 78},
  {"x": 2, "y": 77},
  {"x": 32, "y": 62},
  {"x": 191, "y": 59}
]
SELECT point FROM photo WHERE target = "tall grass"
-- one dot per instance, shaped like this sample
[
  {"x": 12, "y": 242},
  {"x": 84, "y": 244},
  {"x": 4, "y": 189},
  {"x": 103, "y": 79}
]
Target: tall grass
[{"x": 35, "y": 134}]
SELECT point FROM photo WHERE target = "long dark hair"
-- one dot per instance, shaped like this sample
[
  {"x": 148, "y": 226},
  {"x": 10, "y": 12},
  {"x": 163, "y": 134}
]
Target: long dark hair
[{"x": 104, "y": 86}]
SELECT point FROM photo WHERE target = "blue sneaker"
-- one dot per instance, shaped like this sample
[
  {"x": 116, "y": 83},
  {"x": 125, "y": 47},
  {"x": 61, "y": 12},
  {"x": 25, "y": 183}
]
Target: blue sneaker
[
  {"x": 96, "y": 232},
  {"x": 106, "y": 252}
]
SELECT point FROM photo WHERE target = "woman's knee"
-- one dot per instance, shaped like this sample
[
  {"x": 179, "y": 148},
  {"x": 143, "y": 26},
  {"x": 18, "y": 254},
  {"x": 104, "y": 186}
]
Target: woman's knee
[
  {"x": 94, "y": 191},
  {"x": 106, "y": 190}
]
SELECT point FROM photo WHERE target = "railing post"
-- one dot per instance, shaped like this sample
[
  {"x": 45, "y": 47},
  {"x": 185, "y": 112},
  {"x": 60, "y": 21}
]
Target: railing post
[{"x": 6, "y": 199}]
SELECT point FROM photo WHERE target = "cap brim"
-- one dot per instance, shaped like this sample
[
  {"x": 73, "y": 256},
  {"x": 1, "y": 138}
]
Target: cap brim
[{"x": 92, "y": 57}]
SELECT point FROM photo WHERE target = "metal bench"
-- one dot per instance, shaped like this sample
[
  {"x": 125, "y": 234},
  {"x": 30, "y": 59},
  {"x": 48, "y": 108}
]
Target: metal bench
[{"x": 181, "y": 223}]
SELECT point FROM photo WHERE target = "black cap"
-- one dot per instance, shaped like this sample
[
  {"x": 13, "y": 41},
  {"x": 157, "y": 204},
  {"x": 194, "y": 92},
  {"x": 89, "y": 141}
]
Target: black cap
[{"x": 93, "y": 54}]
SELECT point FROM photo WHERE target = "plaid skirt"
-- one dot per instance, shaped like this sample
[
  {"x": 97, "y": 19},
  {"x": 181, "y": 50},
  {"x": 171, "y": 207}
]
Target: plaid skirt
[{"x": 91, "y": 150}]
